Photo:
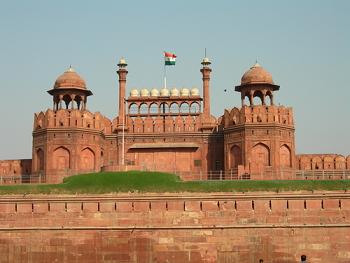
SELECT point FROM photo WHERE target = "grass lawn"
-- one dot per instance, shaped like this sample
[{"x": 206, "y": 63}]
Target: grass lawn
[{"x": 112, "y": 182}]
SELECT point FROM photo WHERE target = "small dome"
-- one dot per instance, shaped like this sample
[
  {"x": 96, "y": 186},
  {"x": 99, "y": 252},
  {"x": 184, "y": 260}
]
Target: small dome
[
  {"x": 256, "y": 75},
  {"x": 194, "y": 92},
  {"x": 134, "y": 93},
  {"x": 144, "y": 93},
  {"x": 154, "y": 93},
  {"x": 70, "y": 79},
  {"x": 185, "y": 92},
  {"x": 174, "y": 92},
  {"x": 164, "y": 92}
]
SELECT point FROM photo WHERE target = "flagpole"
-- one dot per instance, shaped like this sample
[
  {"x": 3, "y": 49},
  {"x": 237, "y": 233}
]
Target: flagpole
[{"x": 164, "y": 73}]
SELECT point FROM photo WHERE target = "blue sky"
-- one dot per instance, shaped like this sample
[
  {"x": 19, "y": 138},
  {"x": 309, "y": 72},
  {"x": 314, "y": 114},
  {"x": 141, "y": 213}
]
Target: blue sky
[{"x": 303, "y": 44}]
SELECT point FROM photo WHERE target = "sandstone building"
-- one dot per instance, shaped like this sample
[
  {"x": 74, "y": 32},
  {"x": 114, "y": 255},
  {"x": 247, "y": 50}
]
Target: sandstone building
[{"x": 169, "y": 130}]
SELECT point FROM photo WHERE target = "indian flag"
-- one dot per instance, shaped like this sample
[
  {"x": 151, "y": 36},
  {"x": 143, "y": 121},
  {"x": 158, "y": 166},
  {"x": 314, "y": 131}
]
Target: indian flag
[{"x": 169, "y": 59}]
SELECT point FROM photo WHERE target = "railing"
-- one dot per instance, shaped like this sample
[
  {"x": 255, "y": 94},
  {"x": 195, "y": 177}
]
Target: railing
[
  {"x": 280, "y": 174},
  {"x": 22, "y": 179}
]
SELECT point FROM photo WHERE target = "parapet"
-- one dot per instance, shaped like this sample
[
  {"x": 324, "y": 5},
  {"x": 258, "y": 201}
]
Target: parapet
[
  {"x": 71, "y": 119},
  {"x": 258, "y": 114}
]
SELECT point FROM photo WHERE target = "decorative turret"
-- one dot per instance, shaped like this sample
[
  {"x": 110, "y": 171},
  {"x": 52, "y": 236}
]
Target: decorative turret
[
  {"x": 71, "y": 89},
  {"x": 257, "y": 82}
]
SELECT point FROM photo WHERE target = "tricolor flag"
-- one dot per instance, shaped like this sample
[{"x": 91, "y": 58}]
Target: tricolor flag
[{"x": 169, "y": 59}]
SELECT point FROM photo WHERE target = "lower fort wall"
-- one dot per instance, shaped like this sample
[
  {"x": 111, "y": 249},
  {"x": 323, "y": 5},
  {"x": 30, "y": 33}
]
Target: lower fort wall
[{"x": 176, "y": 228}]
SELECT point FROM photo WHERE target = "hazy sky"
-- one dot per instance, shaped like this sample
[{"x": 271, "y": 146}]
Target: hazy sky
[{"x": 303, "y": 44}]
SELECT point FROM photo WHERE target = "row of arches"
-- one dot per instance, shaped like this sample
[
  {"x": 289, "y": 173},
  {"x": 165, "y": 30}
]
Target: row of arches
[
  {"x": 164, "y": 108},
  {"x": 260, "y": 156},
  {"x": 61, "y": 159},
  {"x": 257, "y": 97},
  {"x": 69, "y": 101},
  {"x": 163, "y": 124},
  {"x": 327, "y": 162}
]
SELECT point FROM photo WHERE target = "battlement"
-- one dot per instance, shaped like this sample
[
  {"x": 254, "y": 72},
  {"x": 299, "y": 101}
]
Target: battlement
[
  {"x": 258, "y": 114},
  {"x": 71, "y": 118}
]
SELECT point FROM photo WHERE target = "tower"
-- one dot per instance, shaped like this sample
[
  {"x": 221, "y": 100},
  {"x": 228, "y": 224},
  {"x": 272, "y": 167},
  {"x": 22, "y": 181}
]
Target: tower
[
  {"x": 122, "y": 72},
  {"x": 66, "y": 139},
  {"x": 259, "y": 137},
  {"x": 206, "y": 70}
]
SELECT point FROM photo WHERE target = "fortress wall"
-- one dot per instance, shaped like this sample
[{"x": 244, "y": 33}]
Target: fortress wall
[
  {"x": 170, "y": 228},
  {"x": 14, "y": 168}
]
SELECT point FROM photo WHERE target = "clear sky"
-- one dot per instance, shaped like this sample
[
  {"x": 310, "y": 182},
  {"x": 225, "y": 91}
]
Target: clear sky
[{"x": 303, "y": 44}]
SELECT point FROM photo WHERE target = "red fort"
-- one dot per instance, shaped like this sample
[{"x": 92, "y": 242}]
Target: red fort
[{"x": 169, "y": 130}]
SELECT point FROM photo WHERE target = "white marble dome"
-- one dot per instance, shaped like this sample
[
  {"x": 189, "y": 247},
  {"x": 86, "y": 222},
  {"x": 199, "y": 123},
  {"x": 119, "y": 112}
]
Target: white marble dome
[
  {"x": 194, "y": 92},
  {"x": 185, "y": 92},
  {"x": 164, "y": 92},
  {"x": 154, "y": 93},
  {"x": 174, "y": 92},
  {"x": 134, "y": 93},
  {"x": 144, "y": 93}
]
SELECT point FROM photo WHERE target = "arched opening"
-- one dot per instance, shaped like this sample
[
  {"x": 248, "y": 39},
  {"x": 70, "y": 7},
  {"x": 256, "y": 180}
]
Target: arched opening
[
  {"x": 328, "y": 163},
  {"x": 340, "y": 163},
  {"x": 153, "y": 109},
  {"x": 195, "y": 108},
  {"x": 67, "y": 100},
  {"x": 174, "y": 108},
  {"x": 78, "y": 100},
  {"x": 87, "y": 160},
  {"x": 235, "y": 156},
  {"x": 40, "y": 159},
  {"x": 133, "y": 109},
  {"x": 317, "y": 163},
  {"x": 143, "y": 108},
  {"x": 185, "y": 108},
  {"x": 258, "y": 98},
  {"x": 269, "y": 98},
  {"x": 285, "y": 156},
  {"x": 61, "y": 158},
  {"x": 164, "y": 108},
  {"x": 260, "y": 157}
]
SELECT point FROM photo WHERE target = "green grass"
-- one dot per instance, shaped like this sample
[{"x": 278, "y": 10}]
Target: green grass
[{"x": 135, "y": 181}]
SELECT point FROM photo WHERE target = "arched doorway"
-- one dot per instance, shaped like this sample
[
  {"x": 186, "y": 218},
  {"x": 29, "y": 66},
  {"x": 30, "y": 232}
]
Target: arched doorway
[
  {"x": 40, "y": 160},
  {"x": 235, "y": 156},
  {"x": 285, "y": 156},
  {"x": 61, "y": 158},
  {"x": 260, "y": 157},
  {"x": 87, "y": 160}
]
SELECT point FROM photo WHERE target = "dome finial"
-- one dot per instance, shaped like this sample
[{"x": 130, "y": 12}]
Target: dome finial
[
  {"x": 122, "y": 63},
  {"x": 70, "y": 68}
]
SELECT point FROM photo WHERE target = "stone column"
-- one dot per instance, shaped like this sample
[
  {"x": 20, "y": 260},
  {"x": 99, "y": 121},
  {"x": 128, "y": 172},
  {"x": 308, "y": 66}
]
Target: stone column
[{"x": 206, "y": 70}]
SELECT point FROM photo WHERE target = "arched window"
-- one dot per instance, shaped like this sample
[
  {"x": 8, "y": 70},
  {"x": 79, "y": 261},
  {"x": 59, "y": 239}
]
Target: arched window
[
  {"x": 195, "y": 108},
  {"x": 164, "y": 108},
  {"x": 133, "y": 109},
  {"x": 184, "y": 108},
  {"x": 153, "y": 109},
  {"x": 143, "y": 108},
  {"x": 174, "y": 108}
]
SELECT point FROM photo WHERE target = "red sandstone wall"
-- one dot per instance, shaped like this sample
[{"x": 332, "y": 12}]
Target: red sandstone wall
[
  {"x": 194, "y": 228},
  {"x": 12, "y": 169}
]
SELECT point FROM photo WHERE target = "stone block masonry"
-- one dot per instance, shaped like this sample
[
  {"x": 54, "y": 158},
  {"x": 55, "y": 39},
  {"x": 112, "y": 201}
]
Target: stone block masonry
[{"x": 220, "y": 227}]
